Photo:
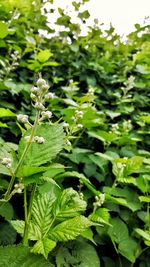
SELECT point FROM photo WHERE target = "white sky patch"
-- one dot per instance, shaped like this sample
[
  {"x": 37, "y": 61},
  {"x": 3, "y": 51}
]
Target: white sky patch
[{"x": 122, "y": 14}]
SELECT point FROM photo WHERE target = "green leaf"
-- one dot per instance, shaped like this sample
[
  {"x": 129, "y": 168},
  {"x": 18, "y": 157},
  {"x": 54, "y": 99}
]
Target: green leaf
[
  {"x": 39, "y": 154},
  {"x": 101, "y": 215},
  {"x": 128, "y": 248},
  {"x": 118, "y": 230},
  {"x": 133, "y": 165},
  {"x": 3, "y": 125},
  {"x": 7, "y": 234},
  {"x": 103, "y": 136},
  {"x": 77, "y": 253},
  {"x": 68, "y": 204},
  {"x": 144, "y": 199},
  {"x": 6, "y": 211},
  {"x": 3, "y": 30},
  {"x": 42, "y": 213},
  {"x": 44, "y": 55},
  {"x": 16, "y": 256},
  {"x": 69, "y": 229},
  {"x": 6, "y": 113},
  {"x": 88, "y": 234},
  {"x": 43, "y": 246},
  {"x": 144, "y": 234},
  {"x": 51, "y": 170}
]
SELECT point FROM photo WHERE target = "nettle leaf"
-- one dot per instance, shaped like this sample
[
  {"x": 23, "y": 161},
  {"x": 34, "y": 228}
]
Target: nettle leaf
[
  {"x": 68, "y": 204},
  {"x": 43, "y": 246},
  {"x": 69, "y": 229},
  {"x": 39, "y": 154},
  {"x": 42, "y": 213},
  {"x": 77, "y": 253},
  {"x": 16, "y": 256}
]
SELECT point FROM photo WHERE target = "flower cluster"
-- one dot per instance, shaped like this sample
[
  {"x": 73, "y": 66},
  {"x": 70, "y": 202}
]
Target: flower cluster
[
  {"x": 18, "y": 188},
  {"x": 99, "y": 200},
  {"x": 7, "y": 162}
]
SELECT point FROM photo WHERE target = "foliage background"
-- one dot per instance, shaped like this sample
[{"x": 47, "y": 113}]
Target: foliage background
[{"x": 109, "y": 80}]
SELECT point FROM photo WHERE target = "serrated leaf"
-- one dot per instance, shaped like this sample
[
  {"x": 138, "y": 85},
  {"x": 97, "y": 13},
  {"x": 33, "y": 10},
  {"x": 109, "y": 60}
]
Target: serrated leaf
[
  {"x": 88, "y": 234},
  {"x": 42, "y": 213},
  {"x": 68, "y": 205},
  {"x": 16, "y": 256},
  {"x": 69, "y": 229},
  {"x": 43, "y": 246},
  {"x": 101, "y": 215},
  {"x": 133, "y": 165},
  {"x": 39, "y": 154}
]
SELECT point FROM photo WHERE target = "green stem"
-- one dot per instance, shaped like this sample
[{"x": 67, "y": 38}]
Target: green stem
[
  {"x": 28, "y": 217},
  {"x": 7, "y": 194}
]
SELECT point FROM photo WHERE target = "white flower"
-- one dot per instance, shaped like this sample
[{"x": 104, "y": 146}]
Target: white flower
[{"x": 35, "y": 90}]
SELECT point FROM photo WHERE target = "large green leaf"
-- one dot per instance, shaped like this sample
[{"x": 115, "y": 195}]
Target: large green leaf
[
  {"x": 69, "y": 229},
  {"x": 16, "y": 256},
  {"x": 77, "y": 254},
  {"x": 43, "y": 246},
  {"x": 68, "y": 205},
  {"x": 39, "y": 154}
]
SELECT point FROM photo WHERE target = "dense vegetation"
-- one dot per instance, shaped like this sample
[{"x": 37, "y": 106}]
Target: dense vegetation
[{"x": 75, "y": 166}]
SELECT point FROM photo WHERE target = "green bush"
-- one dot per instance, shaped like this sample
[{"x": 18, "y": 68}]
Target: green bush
[{"x": 80, "y": 194}]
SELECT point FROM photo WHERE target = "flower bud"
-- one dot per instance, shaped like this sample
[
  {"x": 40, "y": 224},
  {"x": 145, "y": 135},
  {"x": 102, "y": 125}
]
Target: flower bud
[
  {"x": 49, "y": 96},
  {"x": 35, "y": 90},
  {"x": 39, "y": 139},
  {"x": 65, "y": 125},
  {"x": 33, "y": 97},
  {"x": 41, "y": 82},
  {"x": 22, "y": 118},
  {"x": 46, "y": 114},
  {"x": 80, "y": 126},
  {"x": 39, "y": 106},
  {"x": 68, "y": 143},
  {"x": 45, "y": 88}
]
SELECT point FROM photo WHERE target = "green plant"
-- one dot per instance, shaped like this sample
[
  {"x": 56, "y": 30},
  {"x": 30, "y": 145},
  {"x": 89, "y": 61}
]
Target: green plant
[{"x": 49, "y": 216}]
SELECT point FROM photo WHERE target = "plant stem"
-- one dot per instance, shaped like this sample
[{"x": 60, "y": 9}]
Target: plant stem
[
  {"x": 28, "y": 216},
  {"x": 7, "y": 194}
]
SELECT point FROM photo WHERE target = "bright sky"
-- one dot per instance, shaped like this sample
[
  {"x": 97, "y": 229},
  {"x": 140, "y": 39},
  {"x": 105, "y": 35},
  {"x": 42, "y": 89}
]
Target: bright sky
[{"x": 122, "y": 14}]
